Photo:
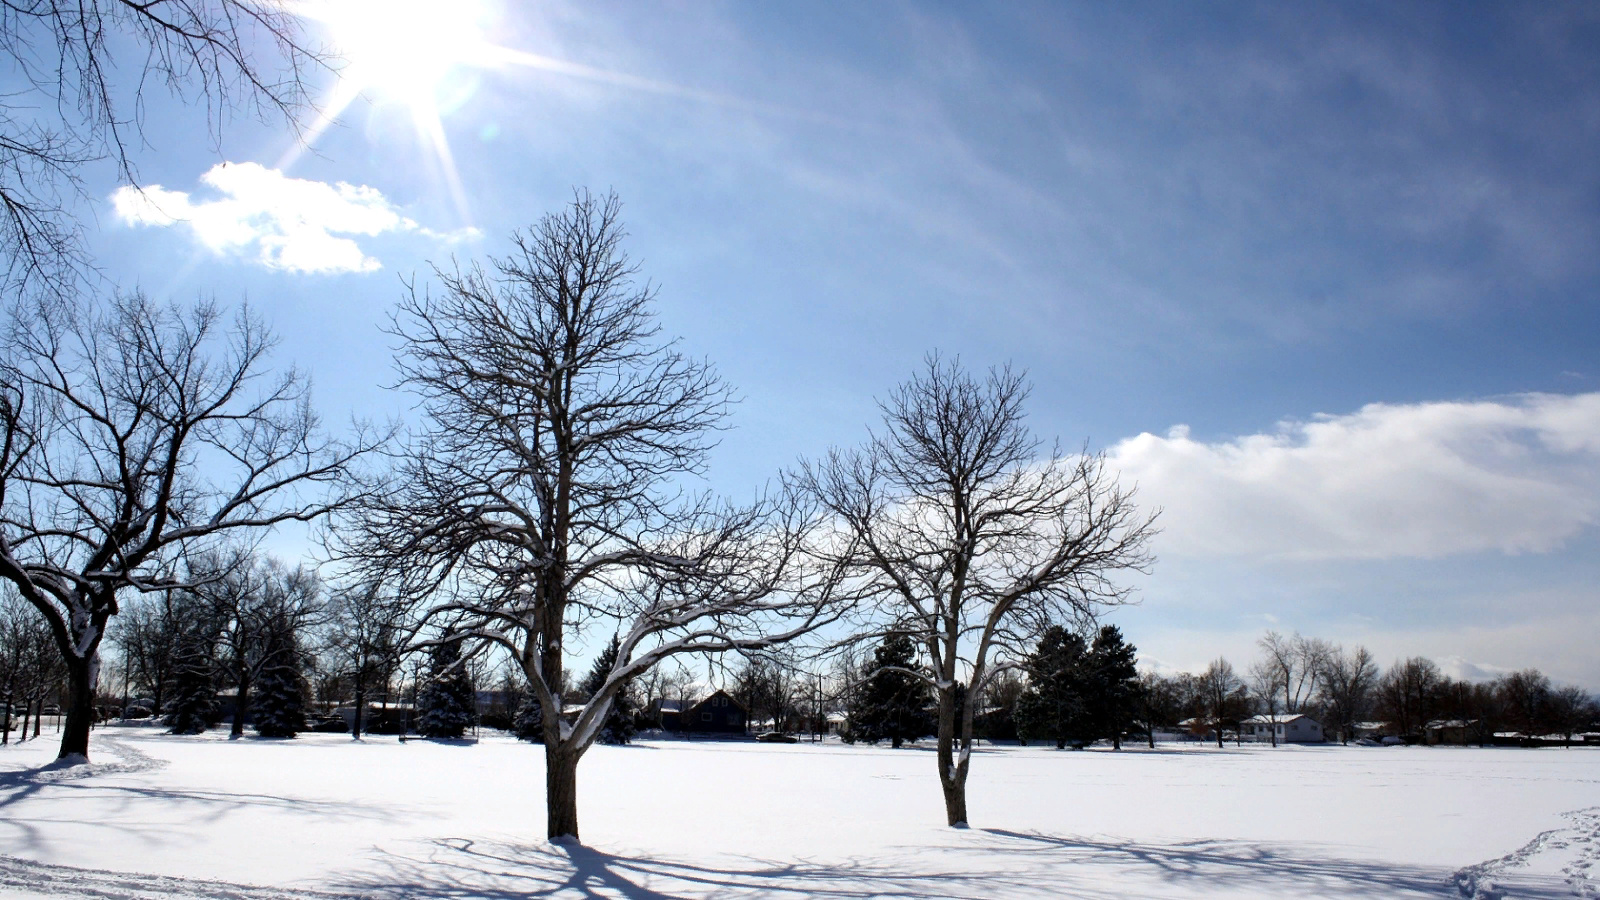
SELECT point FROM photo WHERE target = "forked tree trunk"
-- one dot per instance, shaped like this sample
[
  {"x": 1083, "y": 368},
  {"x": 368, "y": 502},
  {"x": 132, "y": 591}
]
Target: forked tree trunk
[
  {"x": 952, "y": 778},
  {"x": 80, "y": 708},
  {"x": 561, "y": 793}
]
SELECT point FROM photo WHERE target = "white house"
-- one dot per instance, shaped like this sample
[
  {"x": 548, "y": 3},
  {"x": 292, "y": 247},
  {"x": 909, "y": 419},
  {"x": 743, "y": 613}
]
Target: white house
[{"x": 1293, "y": 729}]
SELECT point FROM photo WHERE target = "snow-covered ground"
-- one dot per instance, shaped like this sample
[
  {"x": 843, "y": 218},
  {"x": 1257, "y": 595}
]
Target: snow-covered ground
[{"x": 158, "y": 816}]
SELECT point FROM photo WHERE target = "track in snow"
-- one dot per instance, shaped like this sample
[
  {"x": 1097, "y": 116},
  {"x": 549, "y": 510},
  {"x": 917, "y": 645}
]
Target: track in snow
[{"x": 1530, "y": 871}]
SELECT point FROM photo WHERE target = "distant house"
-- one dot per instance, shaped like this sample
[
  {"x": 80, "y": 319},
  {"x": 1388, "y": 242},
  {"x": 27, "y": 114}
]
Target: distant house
[
  {"x": 719, "y": 713},
  {"x": 1372, "y": 731},
  {"x": 1452, "y": 731},
  {"x": 667, "y": 713},
  {"x": 1290, "y": 729}
]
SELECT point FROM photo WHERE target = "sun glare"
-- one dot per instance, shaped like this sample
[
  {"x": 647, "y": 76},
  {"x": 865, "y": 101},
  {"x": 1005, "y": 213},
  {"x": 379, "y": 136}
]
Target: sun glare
[{"x": 403, "y": 49}]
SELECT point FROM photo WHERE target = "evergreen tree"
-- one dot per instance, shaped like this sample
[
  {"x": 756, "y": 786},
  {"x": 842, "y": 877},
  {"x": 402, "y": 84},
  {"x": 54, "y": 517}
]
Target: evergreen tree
[
  {"x": 1053, "y": 708},
  {"x": 528, "y": 725},
  {"x": 1111, "y": 684},
  {"x": 278, "y": 708},
  {"x": 893, "y": 703},
  {"x": 619, "y": 727},
  {"x": 193, "y": 707},
  {"x": 447, "y": 706}
]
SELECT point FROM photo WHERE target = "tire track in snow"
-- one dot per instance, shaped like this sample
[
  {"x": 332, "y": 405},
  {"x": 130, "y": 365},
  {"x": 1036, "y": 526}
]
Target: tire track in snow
[{"x": 1498, "y": 879}]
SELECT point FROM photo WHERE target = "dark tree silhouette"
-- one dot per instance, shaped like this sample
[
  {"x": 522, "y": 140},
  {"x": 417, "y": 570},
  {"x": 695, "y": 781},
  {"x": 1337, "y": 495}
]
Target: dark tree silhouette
[
  {"x": 279, "y": 706},
  {"x": 1055, "y": 705},
  {"x": 543, "y": 492},
  {"x": 105, "y": 416},
  {"x": 893, "y": 700},
  {"x": 446, "y": 706}
]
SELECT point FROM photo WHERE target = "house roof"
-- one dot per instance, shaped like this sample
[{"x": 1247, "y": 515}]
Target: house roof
[
  {"x": 731, "y": 699},
  {"x": 1281, "y": 720}
]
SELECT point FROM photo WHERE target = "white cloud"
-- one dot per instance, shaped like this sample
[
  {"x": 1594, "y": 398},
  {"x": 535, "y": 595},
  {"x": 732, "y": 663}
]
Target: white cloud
[
  {"x": 293, "y": 224},
  {"x": 1390, "y": 481}
]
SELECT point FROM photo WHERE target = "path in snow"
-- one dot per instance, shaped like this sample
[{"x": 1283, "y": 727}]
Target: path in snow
[{"x": 1558, "y": 863}]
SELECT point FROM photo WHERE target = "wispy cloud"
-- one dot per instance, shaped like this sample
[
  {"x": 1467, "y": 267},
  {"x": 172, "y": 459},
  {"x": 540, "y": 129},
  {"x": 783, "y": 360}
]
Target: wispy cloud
[
  {"x": 1390, "y": 481},
  {"x": 266, "y": 217}
]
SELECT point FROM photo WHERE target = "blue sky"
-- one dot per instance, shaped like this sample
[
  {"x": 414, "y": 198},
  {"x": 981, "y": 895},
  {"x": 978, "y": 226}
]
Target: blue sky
[{"x": 1322, "y": 279}]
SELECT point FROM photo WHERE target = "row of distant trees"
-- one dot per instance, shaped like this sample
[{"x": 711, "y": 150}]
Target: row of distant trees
[
  {"x": 1075, "y": 691},
  {"x": 1340, "y": 688}
]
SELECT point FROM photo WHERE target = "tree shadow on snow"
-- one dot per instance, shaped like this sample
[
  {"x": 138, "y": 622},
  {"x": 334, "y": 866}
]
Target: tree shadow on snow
[
  {"x": 996, "y": 864},
  {"x": 63, "y": 779}
]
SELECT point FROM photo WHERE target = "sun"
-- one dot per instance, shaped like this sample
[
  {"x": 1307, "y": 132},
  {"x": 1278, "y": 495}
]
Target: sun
[{"x": 403, "y": 50}]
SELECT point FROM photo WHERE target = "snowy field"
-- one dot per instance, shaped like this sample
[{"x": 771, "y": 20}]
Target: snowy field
[{"x": 158, "y": 816}]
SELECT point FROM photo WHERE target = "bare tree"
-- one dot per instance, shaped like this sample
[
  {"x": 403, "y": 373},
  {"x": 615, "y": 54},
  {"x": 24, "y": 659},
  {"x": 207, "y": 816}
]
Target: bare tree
[
  {"x": 1572, "y": 709},
  {"x": 1222, "y": 695},
  {"x": 1266, "y": 682},
  {"x": 1347, "y": 683},
  {"x": 365, "y": 630},
  {"x": 1408, "y": 693},
  {"x": 1300, "y": 661},
  {"x": 79, "y": 74},
  {"x": 147, "y": 634},
  {"x": 131, "y": 436},
  {"x": 962, "y": 535},
  {"x": 254, "y": 601},
  {"x": 1160, "y": 701},
  {"x": 542, "y": 499},
  {"x": 1526, "y": 697}
]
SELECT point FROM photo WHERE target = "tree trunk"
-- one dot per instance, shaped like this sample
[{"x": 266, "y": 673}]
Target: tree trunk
[
  {"x": 241, "y": 702},
  {"x": 355, "y": 722},
  {"x": 38, "y": 714},
  {"x": 27, "y": 710},
  {"x": 5, "y": 727},
  {"x": 952, "y": 778},
  {"x": 561, "y": 793},
  {"x": 80, "y": 708}
]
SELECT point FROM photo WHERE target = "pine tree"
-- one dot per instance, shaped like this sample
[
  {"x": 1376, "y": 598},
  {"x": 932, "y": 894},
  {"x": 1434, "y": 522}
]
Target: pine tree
[
  {"x": 1053, "y": 708},
  {"x": 528, "y": 725},
  {"x": 619, "y": 726},
  {"x": 1112, "y": 687},
  {"x": 894, "y": 702},
  {"x": 279, "y": 705},
  {"x": 447, "y": 706},
  {"x": 193, "y": 707}
]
